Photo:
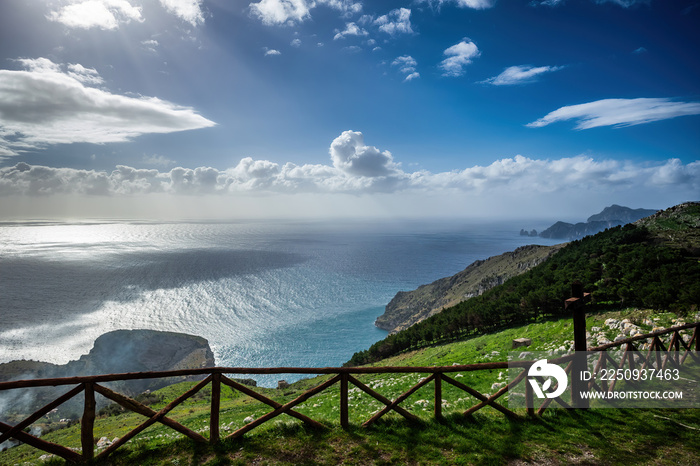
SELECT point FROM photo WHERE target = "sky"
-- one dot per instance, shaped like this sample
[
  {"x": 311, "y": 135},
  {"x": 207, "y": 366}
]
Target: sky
[{"x": 228, "y": 109}]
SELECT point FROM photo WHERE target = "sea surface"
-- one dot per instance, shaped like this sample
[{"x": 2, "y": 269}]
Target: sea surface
[{"x": 264, "y": 293}]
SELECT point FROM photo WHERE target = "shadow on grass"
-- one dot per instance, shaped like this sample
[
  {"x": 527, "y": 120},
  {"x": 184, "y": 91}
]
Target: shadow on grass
[{"x": 604, "y": 436}]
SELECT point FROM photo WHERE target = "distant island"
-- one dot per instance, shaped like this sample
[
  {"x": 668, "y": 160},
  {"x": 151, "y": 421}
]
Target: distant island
[{"x": 612, "y": 216}]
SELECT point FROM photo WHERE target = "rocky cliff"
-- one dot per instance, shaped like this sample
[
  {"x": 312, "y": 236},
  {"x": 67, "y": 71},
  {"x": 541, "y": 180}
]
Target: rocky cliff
[
  {"x": 123, "y": 351},
  {"x": 410, "y": 307}
]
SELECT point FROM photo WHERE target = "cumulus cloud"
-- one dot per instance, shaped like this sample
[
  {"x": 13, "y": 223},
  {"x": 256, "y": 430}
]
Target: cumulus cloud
[
  {"x": 351, "y": 29},
  {"x": 619, "y": 112},
  {"x": 48, "y": 103},
  {"x": 360, "y": 169},
  {"x": 187, "y": 10},
  {"x": 112, "y": 14},
  {"x": 280, "y": 12},
  {"x": 395, "y": 22},
  {"x": 275, "y": 12},
  {"x": 458, "y": 56},
  {"x": 350, "y": 154},
  {"x": 407, "y": 65},
  {"x": 520, "y": 75},
  {"x": 103, "y": 14},
  {"x": 476, "y": 4},
  {"x": 273, "y": 52}
]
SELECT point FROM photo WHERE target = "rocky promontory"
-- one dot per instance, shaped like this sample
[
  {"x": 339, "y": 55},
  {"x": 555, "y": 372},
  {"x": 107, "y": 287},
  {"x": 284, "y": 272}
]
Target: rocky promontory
[
  {"x": 124, "y": 351},
  {"x": 410, "y": 307}
]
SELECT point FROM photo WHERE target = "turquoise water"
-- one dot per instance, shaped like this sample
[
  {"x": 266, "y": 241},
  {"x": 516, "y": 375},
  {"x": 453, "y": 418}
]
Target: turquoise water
[{"x": 263, "y": 293}]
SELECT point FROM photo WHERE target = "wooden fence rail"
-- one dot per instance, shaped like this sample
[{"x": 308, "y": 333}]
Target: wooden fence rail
[{"x": 344, "y": 376}]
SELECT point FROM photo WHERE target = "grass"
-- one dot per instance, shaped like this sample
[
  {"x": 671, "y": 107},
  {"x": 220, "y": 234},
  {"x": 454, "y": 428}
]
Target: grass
[{"x": 602, "y": 436}]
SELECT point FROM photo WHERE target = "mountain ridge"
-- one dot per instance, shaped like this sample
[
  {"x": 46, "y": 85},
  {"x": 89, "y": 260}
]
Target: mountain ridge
[{"x": 609, "y": 217}]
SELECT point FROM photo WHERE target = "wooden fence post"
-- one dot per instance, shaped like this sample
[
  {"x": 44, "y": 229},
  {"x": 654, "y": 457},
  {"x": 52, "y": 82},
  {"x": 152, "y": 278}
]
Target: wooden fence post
[
  {"x": 529, "y": 398},
  {"x": 344, "y": 422},
  {"x": 438, "y": 395},
  {"x": 215, "y": 407},
  {"x": 87, "y": 423},
  {"x": 578, "y": 298}
]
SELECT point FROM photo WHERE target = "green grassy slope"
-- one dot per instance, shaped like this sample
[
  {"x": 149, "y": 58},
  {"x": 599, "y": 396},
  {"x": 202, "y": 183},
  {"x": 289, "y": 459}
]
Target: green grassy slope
[{"x": 603, "y": 436}]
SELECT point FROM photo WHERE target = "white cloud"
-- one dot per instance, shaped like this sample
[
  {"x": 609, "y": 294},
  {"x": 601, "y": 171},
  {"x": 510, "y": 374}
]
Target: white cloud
[
  {"x": 407, "y": 65},
  {"x": 280, "y": 12},
  {"x": 277, "y": 12},
  {"x": 269, "y": 52},
  {"x": 619, "y": 112},
  {"x": 351, "y": 29},
  {"x": 360, "y": 169},
  {"x": 347, "y": 7},
  {"x": 45, "y": 105},
  {"x": 103, "y": 14},
  {"x": 150, "y": 45},
  {"x": 187, "y": 10},
  {"x": 111, "y": 14},
  {"x": 474, "y": 4},
  {"x": 458, "y": 56},
  {"x": 520, "y": 75},
  {"x": 84, "y": 75},
  {"x": 350, "y": 154},
  {"x": 509, "y": 186},
  {"x": 295, "y": 42},
  {"x": 396, "y": 22}
]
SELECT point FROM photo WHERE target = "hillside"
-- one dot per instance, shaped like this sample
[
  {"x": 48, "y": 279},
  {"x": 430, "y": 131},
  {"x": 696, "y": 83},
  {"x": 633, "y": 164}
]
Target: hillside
[
  {"x": 410, "y": 307},
  {"x": 676, "y": 227},
  {"x": 602, "y": 436},
  {"x": 651, "y": 264},
  {"x": 609, "y": 217}
]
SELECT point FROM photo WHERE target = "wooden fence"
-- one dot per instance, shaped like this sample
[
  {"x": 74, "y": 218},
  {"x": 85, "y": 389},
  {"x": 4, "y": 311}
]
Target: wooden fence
[{"x": 216, "y": 376}]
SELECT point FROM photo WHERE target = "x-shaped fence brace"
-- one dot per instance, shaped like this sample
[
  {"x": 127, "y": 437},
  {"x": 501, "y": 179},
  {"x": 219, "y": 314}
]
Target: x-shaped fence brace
[
  {"x": 215, "y": 377},
  {"x": 90, "y": 388}
]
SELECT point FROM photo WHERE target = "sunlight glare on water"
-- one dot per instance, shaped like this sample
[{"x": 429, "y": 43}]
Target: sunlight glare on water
[{"x": 263, "y": 293}]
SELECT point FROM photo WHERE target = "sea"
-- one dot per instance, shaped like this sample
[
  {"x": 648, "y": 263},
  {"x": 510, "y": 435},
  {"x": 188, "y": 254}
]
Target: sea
[{"x": 263, "y": 293}]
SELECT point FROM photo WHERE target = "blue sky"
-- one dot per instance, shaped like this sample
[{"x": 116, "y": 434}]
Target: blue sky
[{"x": 214, "y": 108}]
